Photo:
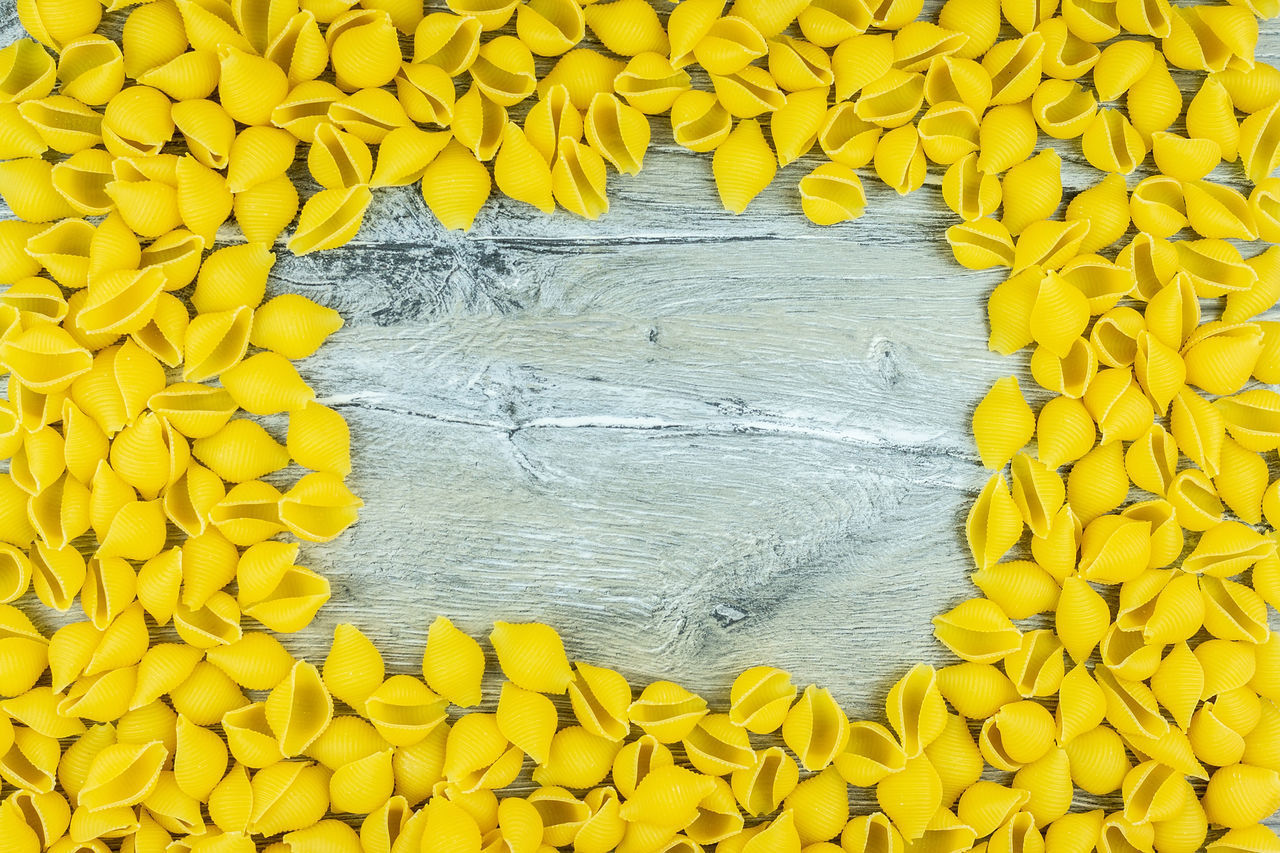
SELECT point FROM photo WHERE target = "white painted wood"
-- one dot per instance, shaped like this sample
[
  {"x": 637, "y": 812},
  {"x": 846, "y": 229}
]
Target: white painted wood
[{"x": 692, "y": 442}]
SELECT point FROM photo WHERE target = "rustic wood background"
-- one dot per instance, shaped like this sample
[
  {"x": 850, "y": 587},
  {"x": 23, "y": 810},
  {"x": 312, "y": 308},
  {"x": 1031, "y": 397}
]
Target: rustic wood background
[{"x": 692, "y": 442}]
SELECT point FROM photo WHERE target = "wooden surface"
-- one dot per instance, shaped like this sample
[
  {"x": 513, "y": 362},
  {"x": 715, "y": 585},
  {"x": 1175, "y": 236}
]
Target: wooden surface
[{"x": 692, "y": 442}]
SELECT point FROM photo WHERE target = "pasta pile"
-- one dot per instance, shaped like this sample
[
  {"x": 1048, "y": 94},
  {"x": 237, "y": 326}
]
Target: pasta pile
[{"x": 1124, "y": 652}]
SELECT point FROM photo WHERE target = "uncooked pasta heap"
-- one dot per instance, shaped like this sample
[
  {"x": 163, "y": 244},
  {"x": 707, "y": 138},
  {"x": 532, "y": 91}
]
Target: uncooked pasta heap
[{"x": 1146, "y": 676}]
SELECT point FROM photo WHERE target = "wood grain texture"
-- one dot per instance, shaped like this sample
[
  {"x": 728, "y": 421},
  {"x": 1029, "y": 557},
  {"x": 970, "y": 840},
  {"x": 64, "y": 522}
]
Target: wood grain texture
[{"x": 692, "y": 442}]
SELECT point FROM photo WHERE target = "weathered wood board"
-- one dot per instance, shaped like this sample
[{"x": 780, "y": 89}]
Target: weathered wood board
[{"x": 692, "y": 442}]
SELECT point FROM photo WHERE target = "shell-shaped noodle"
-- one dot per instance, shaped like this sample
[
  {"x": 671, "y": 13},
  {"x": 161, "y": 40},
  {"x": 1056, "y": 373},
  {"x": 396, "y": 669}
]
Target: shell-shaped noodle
[
  {"x": 1069, "y": 376},
  {"x": 915, "y": 710},
  {"x": 1082, "y": 618},
  {"x": 27, "y": 72},
  {"x": 249, "y": 87},
  {"x": 550, "y": 27},
  {"x": 453, "y": 665},
  {"x": 1118, "y": 405},
  {"x": 970, "y": 193},
  {"x": 671, "y": 794},
  {"x": 1015, "y": 67},
  {"x": 319, "y": 507},
  {"x": 503, "y": 71},
  {"x": 45, "y": 358},
  {"x": 259, "y": 154},
  {"x": 353, "y": 669},
  {"x": 249, "y": 739},
  {"x": 1020, "y": 587},
  {"x": 949, "y": 79},
  {"x": 892, "y": 100},
  {"x": 562, "y": 813},
  {"x": 405, "y": 154},
  {"x": 364, "y": 49},
  {"x": 986, "y": 806},
  {"x": 288, "y": 795},
  {"x": 200, "y": 760},
  {"x": 583, "y": 72},
  {"x": 667, "y": 711},
  {"x": 827, "y": 23},
  {"x": 264, "y": 211},
  {"x": 122, "y": 775},
  {"x": 600, "y": 699},
  {"x": 478, "y": 756},
  {"x": 977, "y": 631},
  {"x": 865, "y": 59},
  {"x": 871, "y": 754},
  {"x": 819, "y": 806},
  {"x": 1211, "y": 115},
  {"x": 1018, "y": 734},
  {"x": 241, "y": 451},
  {"x": 798, "y": 65},
  {"x": 362, "y": 785},
  {"x": 832, "y": 193},
  {"x": 57, "y": 574},
  {"x": 528, "y": 720},
  {"x": 729, "y": 45},
  {"x": 319, "y": 439},
  {"x": 627, "y": 27},
  {"x": 689, "y": 23},
  {"x": 455, "y": 187},
  {"x": 1178, "y": 612},
  {"x": 1178, "y": 683},
  {"x": 948, "y": 132},
  {"x": 27, "y": 187},
  {"x": 208, "y": 130},
  {"x": 1246, "y": 839},
  {"x": 994, "y": 523},
  {"x": 264, "y": 571},
  {"x": 796, "y": 126},
  {"x": 760, "y": 698},
  {"x": 620, "y": 133},
  {"x": 91, "y": 69},
  {"x": 329, "y": 219},
  {"x": 1260, "y": 143},
  {"x": 1112, "y": 144},
  {"x": 203, "y": 198},
  {"x": 1082, "y": 705},
  {"x": 1007, "y": 136},
  {"x": 911, "y": 797},
  {"x": 299, "y": 709},
  {"x": 1153, "y": 102},
  {"x": 748, "y": 93},
  {"x": 1002, "y": 423},
  {"x": 305, "y": 108},
  {"x": 267, "y": 384},
  {"x": 846, "y": 138},
  {"x": 1049, "y": 244},
  {"x": 521, "y": 172},
  {"x": 299, "y": 48},
  {"x": 1213, "y": 740},
  {"x": 532, "y": 656},
  {"x": 717, "y": 747},
  {"x": 188, "y": 76},
  {"x": 638, "y": 758},
  {"x": 1240, "y": 795},
  {"x": 347, "y": 739},
  {"x": 900, "y": 159},
  {"x": 256, "y": 661},
  {"x": 816, "y": 729},
  {"x": 215, "y": 622},
  {"x": 450, "y": 42}
]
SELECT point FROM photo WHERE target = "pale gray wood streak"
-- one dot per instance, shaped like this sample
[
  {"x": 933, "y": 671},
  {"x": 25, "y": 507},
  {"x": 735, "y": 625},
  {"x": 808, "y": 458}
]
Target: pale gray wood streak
[{"x": 691, "y": 441}]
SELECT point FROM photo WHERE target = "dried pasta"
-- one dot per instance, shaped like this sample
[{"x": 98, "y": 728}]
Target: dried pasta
[{"x": 127, "y": 171}]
